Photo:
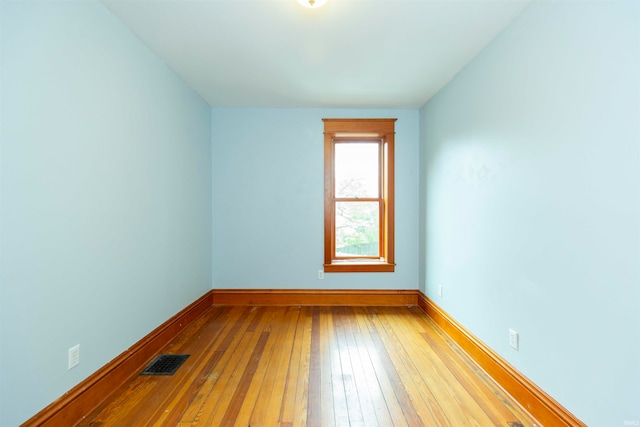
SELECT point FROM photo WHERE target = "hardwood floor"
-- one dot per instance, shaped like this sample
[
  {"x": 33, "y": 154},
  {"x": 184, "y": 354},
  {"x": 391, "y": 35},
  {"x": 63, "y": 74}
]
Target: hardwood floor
[{"x": 314, "y": 366}]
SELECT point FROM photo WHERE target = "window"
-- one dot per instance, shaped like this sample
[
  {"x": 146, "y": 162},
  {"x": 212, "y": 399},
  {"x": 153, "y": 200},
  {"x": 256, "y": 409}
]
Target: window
[{"x": 358, "y": 195}]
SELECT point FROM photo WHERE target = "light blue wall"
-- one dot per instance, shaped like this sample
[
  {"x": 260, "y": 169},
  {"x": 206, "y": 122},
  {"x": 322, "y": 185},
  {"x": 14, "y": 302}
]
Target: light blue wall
[
  {"x": 268, "y": 194},
  {"x": 531, "y": 202},
  {"x": 105, "y": 192}
]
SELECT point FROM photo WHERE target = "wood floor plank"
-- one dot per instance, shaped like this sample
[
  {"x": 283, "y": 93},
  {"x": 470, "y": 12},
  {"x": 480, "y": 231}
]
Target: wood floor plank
[
  {"x": 271, "y": 398},
  {"x": 403, "y": 394},
  {"x": 195, "y": 374},
  {"x": 372, "y": 401},
  {"x": 426, "y": 404},
  {"x": 255, "y": 387},
  {"x": 120, "y": 409},
  {"x": 297, "y": 373},
  {"x": 333, "y": 399},
  {"x": 293, "y": 372},
  {"x": 316, "y": 385},
  {"x": 389, "y": 411},
  {"x": 314, "y": 366},
  {"x": 231, "y": 414},
  {"x": 230, "y": 383},
  {"x": 269, "y": 372},
  {"x": 303, "y": 389},
  {"x": 347, "y": 371},
  {"x": 227, "y": 342}
]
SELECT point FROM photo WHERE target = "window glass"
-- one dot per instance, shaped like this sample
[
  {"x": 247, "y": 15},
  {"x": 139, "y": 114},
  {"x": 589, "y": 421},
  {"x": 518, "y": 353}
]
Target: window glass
[
  {"x": 357, "y": 229},
  {"x": 356, "y": 170}
]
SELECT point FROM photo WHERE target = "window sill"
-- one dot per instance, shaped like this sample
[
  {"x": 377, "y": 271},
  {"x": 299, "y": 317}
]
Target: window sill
[{"x": 359, "y": 267}]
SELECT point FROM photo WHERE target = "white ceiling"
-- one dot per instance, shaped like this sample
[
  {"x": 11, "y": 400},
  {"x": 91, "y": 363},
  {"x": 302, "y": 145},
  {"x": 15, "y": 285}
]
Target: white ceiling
[{"x": 347, "y": 54}]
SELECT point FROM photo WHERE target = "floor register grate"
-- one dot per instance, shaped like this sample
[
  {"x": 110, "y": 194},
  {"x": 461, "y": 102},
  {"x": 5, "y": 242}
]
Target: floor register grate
[{"x": 165, "y": 364}]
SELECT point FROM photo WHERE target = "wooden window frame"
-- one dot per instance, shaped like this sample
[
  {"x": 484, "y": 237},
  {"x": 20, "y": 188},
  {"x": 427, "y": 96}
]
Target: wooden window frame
[{"x": 360, "y": 130}]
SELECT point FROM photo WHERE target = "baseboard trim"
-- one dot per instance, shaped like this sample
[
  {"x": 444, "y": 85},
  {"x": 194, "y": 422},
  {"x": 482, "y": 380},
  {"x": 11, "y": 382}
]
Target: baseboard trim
[
  {"x": 539, "y": 404},
  {"x": 324, "y": 297},
  {"x": 78, "y": 402}
]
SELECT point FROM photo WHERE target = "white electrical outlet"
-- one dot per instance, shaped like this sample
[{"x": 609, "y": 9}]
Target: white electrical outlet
[
  {"x": 514, "y": 339},
  {"x": 74, "y": 356},
  {"x": 320, "y": 274},
  {"x": 440, "y": 290}
]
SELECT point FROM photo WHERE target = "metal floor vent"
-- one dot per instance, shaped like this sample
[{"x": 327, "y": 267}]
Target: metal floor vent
[{"x": 165, "y": 364}]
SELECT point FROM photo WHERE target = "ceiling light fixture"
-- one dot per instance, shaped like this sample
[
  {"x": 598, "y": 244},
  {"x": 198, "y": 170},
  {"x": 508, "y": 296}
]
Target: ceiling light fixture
[{"x": 312, "y": 4}]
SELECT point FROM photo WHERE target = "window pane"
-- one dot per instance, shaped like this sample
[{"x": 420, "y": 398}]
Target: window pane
[
  {"x": 357, "y": 229},
  {"x": 356, "y": 170}
]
